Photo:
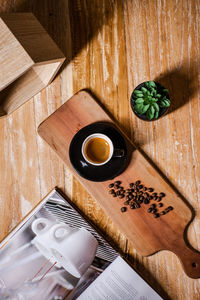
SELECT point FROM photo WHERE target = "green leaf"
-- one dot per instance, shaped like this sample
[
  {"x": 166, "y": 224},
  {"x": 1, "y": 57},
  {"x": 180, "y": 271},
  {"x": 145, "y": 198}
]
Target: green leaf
[
  {"x": 167, "y": 103},
  {"x": 152, "y": 83},
  {"x": 145, "y": 108},
  {"x": 165, "y": 91},
  {"x": 147, "y": 84},
  {"x": 156, "y": 115},
  {"x": 158, "y": 96},
  {"x": 137, "y": 93},
  {"x": 139, "y": 100},
  {"x": 154, "y": 92},
  {"x": 150, "y": 112},
  {"x": 144, "y": 89},
  {"x": 138, "y": 108},
  {"x": 164, "y": 103},
  {"x": 156, "y": 106}
]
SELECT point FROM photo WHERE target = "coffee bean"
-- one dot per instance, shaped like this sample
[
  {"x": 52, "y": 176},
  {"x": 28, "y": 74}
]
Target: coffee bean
[
  {"x": 137, "y": 182},
  {"x": 127, "y": 198},
  {"x": 126, "y": 203},
  {"x": 162, "y": 212},
  {"x": 150, "y": 190},
  {"x": 162, "y": 194},
  {"x": 160, "y": 204},
  {"x": 150, "y": 197},
  {"x": 142, "y": 198},
  {"x": 132, "y": 190},
  {"x": 140, "y": 193},
  {"x": 111, "y": 185},
  {"x": 146, "y": 201},
  {"x": 117, "y": 182},
  {"x": 144, "y": 188},
  {"x": 137, "y": 205},
  {"x": 155, "y": 197},
  {"x": 170, "y": 207},
  {"x": 114, "y": 195},
  {"x": 154, "y": 210},
  {"x": 111, "y": 191},
  {"x": 149, "y": 209},
  {"x": 123, "y": 209},
  {"x": 156, "y": 215},
  {"x": 159, "y": 199},
  {"x": 154, "y": 194},
  {"x": 146, "y": 194},
  {"x": 121, "y": 196},
  {"x": 140, "y": 186},
  {"x": 133, "y": 206},
  {"x": 128, "y": 190},
  {"x": 116, "y": 187},
  {"x": 153, "y": 206},
  {"x": 130, "y": 197},
  {"x": 131, "y": 184},
  {"x": 122, "y": 192}
]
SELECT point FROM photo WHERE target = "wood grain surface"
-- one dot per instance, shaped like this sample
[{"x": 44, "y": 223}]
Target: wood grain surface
[{"x": 111, "y": 46}]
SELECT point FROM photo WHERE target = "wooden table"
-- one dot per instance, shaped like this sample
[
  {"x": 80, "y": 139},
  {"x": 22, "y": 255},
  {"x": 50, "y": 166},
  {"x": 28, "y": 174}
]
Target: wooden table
[{"x": 112, "y": 46}]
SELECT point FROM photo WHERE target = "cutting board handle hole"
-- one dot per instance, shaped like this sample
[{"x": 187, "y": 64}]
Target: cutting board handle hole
[{"x": 194, "y": 265}]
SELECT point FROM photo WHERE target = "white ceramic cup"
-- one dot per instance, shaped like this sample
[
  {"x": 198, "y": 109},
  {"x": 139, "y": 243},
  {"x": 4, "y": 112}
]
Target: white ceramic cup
[
  {"x": 73, "y": 248},
  {"x": 41, "y": 229},
  {"x": 112, "y": 151}
]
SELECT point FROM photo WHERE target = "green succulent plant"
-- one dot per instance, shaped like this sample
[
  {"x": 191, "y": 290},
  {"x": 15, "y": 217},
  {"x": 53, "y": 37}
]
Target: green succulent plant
[{"x": 148, "y": 101}]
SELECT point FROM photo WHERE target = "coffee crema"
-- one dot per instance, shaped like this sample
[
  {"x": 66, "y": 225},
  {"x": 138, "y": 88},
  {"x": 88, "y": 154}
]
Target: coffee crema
[{"x": 97, "y": 150}]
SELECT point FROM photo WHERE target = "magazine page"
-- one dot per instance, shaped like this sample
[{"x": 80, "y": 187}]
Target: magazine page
[
  {"x": 119, "y": 282},
  {"x": 50, "y": 253},
  {"x": 55, "y": 254}
]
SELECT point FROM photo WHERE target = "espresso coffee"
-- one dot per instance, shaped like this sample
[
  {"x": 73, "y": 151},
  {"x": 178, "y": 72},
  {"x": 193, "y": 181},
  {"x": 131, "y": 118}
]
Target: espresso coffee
[{"x": 97, "y": 150}]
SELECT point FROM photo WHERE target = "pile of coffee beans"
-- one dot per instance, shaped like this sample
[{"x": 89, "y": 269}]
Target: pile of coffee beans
[{"x": 136, "y": 195}]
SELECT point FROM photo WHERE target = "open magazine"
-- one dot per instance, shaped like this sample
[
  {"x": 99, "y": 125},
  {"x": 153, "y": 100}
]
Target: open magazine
[{"x": 55, "y": 254}]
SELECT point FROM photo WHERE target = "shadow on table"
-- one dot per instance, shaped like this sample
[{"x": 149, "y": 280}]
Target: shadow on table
[
  {"x": 181, "y": 82},
  {"x": 71, "y": 23}
]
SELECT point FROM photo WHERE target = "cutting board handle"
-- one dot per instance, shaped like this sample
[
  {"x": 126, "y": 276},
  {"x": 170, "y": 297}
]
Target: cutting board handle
[{"x": 190, "y": 258}]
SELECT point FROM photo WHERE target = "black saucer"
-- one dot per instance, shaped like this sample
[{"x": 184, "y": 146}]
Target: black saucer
[{"x": 98, "y": 173}]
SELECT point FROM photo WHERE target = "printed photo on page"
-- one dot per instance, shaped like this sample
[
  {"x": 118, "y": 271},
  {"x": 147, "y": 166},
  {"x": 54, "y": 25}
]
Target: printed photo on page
[{"x": 54, "y": 254}]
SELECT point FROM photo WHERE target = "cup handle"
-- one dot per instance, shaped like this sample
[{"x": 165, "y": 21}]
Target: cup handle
[
  {"x": 60, "y": 232},
  {"x": 118, "y": 153},
  {"x": 40, "y": 225}
]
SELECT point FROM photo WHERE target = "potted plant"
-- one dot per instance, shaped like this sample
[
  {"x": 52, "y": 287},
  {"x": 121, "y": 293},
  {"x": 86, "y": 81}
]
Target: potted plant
[{"x": 150, "y": 100}]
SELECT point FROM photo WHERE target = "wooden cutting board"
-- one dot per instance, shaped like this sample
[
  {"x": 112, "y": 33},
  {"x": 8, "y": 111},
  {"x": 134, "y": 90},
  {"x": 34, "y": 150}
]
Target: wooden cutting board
[{"x": 147, "y": 234}]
